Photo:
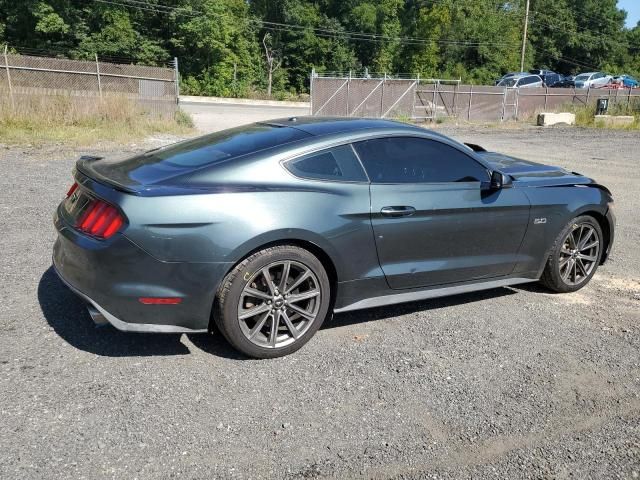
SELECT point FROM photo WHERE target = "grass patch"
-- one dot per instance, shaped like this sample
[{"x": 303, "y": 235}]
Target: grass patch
[
  {"x": 82, "y": 121},
  {"x": 585, "y": 114}
]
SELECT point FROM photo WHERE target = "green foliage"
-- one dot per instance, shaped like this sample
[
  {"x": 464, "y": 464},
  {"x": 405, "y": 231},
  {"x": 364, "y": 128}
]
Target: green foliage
[
  {"x": 219, "y": 42},
  {"x": 183, "y": 119}
]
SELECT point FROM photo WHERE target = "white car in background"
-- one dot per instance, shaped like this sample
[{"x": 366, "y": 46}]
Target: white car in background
[
  {"x": 592, "y": 80},
  {"x": 522, "y": 81}
]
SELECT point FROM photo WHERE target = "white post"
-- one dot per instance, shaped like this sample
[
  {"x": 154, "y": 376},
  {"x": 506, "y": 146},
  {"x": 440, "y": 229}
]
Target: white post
[
  {"x": 98, "y": 74},
  {"x": 6, "y": 63}
]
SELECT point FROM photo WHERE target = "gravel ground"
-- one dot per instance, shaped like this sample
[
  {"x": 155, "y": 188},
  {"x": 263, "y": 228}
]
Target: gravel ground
[{"x": 509, "y": 383}]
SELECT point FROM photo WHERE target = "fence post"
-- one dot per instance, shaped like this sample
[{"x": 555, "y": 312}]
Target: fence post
[
  {"x": 98, "y": 74},
  {"x": 348, "y": 91},
  {"x": 588, "y": 93},
  {"x": 629, "y": 99},
  {"x": 313, "y": 74},
  {"x": 384, "y": 80},
  {"x": 6, "y": 63},
  {"x": 176, "y": 74},
  {"x": 415, "y": 97},
  {"x": 434, "y": 103},
  {"x": 455, "y": 97},
  {"x": 504, "y": 103},
  {"x": 546, "y": 94},
  {"x": 470, "y": 98}
]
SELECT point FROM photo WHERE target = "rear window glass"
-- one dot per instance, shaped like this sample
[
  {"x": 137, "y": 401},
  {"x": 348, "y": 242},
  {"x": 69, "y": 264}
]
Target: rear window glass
[
  {"x": 159, "y": 164},
  {"x": 338, "y": 164},
  {"x": 225, "y": 144}
]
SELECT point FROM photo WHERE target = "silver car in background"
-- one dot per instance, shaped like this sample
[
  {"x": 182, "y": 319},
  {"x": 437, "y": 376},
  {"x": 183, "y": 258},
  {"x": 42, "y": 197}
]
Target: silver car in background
[
  {"x": 592, "y": 80},
  {"x": 522, "y": 81}
]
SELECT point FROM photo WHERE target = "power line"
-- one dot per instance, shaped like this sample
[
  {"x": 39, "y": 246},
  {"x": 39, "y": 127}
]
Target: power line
[
  {"x": 375, "y": 37},
  {"x": 54, "y": 51},
  {"x": 350, "y": 35},
  {"x": 569, "y": 60},
  {"x": 578, "y": 30},
  {"x": 146, "y": 8}
]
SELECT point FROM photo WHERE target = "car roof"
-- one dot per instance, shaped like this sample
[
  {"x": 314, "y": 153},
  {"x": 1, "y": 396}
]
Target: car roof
[
  {"x": 322, "y": 126},
  {"x": 522, "y": 75}
]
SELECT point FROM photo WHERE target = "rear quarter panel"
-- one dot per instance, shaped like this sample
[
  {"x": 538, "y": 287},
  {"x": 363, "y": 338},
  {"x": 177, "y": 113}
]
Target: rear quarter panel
[{"x": 226, "y": 226}]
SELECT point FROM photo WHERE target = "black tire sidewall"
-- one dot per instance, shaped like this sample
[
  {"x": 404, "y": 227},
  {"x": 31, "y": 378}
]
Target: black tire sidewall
[
  {"x": 558, "y": 283},
  {"x": 228, "y": 310}
]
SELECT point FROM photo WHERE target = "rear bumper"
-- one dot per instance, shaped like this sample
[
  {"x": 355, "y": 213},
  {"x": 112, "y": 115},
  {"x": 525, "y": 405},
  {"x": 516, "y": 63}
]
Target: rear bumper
[
  {"x": 112, "y": 275},
  {"x": 101, "y": 316}
]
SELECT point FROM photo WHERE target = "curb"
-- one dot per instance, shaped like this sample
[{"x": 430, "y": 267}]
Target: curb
[{"x": 243, "y": 101}]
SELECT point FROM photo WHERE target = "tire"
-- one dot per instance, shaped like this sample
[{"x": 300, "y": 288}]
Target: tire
[
  {"x": 248, "y": 305},
  {"x": 569, "y": 268}
]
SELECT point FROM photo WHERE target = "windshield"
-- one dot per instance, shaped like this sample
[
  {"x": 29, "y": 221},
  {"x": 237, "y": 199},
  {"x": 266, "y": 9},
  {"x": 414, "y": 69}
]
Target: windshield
[
  {"x": 509, "y": 82},
  {"x": 584, "y": 76}
]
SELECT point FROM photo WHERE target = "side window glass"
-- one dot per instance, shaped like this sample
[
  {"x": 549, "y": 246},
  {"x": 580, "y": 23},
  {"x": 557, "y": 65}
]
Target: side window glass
[
  {"x": 417, "y": 160},
  {"x": 337, "y": 164}
]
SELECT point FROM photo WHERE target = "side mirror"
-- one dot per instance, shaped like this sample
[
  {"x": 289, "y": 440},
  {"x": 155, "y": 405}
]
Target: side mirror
[{"x": 499, "y": 180}]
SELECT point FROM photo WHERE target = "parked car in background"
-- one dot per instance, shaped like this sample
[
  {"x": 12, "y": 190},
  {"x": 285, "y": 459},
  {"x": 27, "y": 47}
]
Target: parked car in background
[
  {"x": 592, "y": 80},
  {"x": 509, "y": 75},
  {"x": 626, "y": 81},
  {"x": 566, "y": 82},
  {"x": 550, "y": 79},
  {"x": 522, "y": 81}
]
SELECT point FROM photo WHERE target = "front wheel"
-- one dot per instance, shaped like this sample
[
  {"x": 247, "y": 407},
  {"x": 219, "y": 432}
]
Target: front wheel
[
  {"x": 575, "y": 256},
  {"x": 273, "y": 302}
]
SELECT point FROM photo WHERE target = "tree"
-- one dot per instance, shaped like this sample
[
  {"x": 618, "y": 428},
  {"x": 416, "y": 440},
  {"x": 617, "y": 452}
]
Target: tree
[
  {"x": 476, "y": 40},
  {"x": 273, "y": 63}
]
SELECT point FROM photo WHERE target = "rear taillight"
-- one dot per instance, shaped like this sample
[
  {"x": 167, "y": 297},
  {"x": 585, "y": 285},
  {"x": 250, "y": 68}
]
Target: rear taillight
[{"x": 100, "y": 219}]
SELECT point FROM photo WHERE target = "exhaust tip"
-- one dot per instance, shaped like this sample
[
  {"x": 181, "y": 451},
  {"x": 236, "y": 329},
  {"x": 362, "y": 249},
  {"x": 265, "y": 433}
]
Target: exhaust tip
[{"x": 96, "y": 316}]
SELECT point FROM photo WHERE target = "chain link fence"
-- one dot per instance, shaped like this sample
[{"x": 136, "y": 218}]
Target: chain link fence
[
  {"x": 362, "y": 97},
  {"x": 25, "y": 79},
  {"x": 433, "y": 99}
]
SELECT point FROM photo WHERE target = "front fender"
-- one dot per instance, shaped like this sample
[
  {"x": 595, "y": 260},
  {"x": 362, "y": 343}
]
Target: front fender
[{"x": 552, "y": 208}]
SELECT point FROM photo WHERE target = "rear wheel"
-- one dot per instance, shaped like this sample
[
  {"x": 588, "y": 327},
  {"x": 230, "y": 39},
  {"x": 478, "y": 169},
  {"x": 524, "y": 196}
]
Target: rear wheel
[
  {"x": 575, "y": 256},
  {"x": 273, "y": 302}
]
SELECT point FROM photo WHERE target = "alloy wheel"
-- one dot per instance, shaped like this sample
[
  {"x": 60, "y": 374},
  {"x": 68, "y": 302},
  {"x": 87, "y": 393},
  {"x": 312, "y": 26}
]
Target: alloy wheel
[
  {"x": 579, "y": 254},
  {"x": 279, "y": 303}
]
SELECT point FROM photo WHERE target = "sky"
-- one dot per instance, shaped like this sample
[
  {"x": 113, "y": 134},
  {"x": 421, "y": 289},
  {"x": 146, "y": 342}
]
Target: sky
[{"x": 633, "y": 11}]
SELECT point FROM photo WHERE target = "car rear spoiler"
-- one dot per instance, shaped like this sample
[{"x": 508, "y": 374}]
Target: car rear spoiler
[{"x": 475, "y": 148}]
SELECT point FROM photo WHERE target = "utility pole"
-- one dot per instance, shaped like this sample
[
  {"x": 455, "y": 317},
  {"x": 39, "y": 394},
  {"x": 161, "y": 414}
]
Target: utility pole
[{"x": 524, "y": 36}]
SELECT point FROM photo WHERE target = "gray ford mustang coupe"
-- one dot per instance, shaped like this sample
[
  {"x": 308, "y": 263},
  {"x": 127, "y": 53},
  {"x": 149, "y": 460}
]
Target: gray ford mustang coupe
[{"x": 266, "y": 229}]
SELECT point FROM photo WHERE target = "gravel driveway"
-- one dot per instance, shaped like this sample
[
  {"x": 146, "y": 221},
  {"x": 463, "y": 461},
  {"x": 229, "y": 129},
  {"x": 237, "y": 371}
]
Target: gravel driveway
[{"x": 507, "y": 383}]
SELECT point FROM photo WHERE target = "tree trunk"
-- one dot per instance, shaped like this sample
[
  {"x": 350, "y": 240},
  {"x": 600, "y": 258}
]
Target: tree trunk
[{"x": 269, "y": 79}]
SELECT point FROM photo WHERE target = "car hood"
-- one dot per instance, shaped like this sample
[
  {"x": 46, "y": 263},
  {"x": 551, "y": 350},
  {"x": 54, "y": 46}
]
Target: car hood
[{"x": 530, "y": 173}]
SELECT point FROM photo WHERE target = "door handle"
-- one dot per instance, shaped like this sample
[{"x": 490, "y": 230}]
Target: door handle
[{"x": 394, "y": 212}]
